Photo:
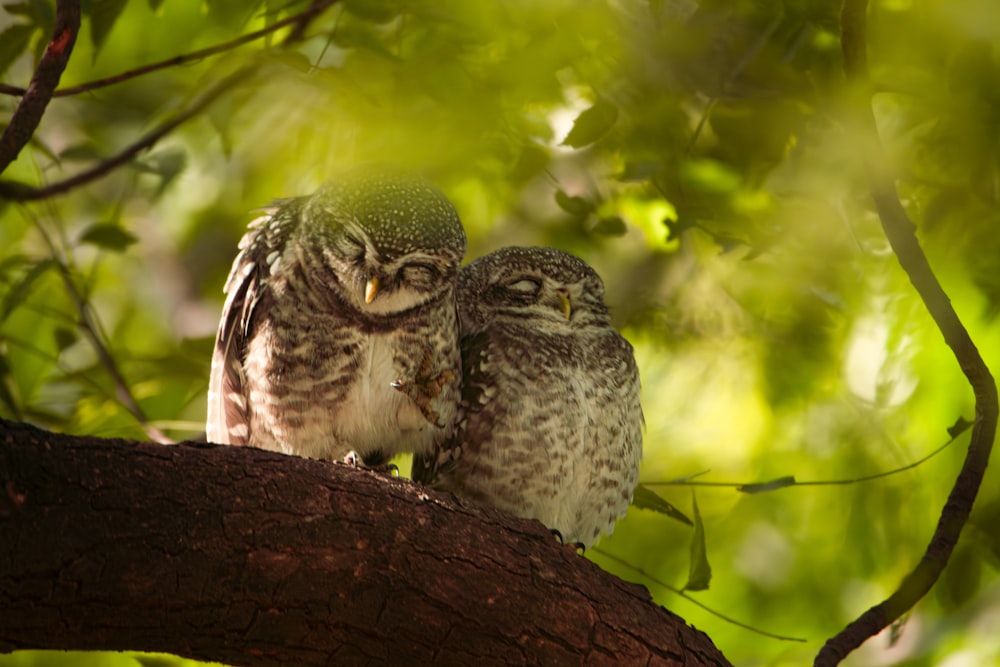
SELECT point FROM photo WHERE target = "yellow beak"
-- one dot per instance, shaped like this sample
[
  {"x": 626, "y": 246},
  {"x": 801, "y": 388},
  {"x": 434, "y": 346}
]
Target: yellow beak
[
  {"x": 371, "y": 289},
  {"x": 565, "y": 305}
]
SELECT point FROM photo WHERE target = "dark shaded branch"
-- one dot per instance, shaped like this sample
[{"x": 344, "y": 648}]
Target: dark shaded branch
[
  {"x": 255, "y": 558},
  {"x": 902, "y": 236},
  {"x": 300, "y": 20},
  {"x": 29, "y": 112},
  {"x": 19, "y": 192}
]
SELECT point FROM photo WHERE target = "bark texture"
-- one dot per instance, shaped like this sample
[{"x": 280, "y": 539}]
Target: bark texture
[{"x": 254, "y": 558}]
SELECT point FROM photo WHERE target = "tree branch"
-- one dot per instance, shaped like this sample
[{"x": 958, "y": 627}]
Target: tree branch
[
  {"x": 299, "y": 20},
  {"x": 902, "y": 236},
  {"x": 15, "y": 191},
  {"x": 255, "y": 558},
  {"x": 29, "y": 112}
]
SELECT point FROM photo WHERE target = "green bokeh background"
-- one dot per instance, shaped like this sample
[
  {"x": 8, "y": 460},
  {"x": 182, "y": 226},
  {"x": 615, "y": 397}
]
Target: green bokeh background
[{"x": 715, "y": 185}]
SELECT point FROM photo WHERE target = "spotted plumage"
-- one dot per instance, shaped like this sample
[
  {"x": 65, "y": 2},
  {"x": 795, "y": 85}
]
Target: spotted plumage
[
  {"x": 552, "y": 424},
  {"x": 339, "y": 332}
]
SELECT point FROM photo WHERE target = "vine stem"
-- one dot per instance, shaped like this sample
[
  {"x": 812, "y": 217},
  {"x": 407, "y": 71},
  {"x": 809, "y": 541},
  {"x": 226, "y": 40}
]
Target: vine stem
[{"x": 901, "y": 233}]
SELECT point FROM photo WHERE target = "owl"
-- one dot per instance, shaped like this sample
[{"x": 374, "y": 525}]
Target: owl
[
  {"x": 339, "y": 334},
  {"x": 551, "y": 424}
]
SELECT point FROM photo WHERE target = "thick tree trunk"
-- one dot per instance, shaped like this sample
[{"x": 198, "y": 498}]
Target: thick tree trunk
[{"x": 254, "y": 558}]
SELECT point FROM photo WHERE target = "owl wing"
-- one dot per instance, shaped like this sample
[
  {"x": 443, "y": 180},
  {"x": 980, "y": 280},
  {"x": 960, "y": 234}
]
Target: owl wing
[
  {"x": 247, "y": 298},
  {"x": 430, "y": 470}
]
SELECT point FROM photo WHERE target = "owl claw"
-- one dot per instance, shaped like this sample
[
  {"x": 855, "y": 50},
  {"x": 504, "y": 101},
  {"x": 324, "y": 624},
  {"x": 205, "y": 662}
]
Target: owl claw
[{"x": 579, "y": 546}]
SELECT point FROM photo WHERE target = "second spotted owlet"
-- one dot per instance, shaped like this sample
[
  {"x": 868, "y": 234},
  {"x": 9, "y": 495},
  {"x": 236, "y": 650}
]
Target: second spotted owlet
[
  {"x": 339, "y": 332},
  {"x": 552, "y": 425}
]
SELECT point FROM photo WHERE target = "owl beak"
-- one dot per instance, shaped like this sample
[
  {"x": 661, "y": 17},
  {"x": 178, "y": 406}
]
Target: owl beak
[
  {"x": 565, "y": 305},
  {"x": 371, "y": 289}
]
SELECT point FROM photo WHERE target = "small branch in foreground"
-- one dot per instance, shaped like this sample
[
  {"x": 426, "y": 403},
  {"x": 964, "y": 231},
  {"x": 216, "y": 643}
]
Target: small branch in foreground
[
  {"x": 900, "y": 231},
  {"x": 19, "y": 192},
  {"x": 36, "y": 98},
  {"x": 298, "y": 20},
  {"x": 89, "y": 324}
]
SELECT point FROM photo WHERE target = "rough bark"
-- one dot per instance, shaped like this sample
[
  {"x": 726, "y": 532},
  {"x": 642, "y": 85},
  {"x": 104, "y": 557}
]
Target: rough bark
[{"x": 255, "y": 558}]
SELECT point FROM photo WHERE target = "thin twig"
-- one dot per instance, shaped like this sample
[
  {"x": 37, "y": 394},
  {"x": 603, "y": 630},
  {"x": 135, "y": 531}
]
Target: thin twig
[
  {"x": 900, "y": 231},
  {"x": 817, "y": 482},
  {"x": 20, "y": 192},
  {"x": 89, "y": 325},
  {"x": 30, "y": 110},
  {"x": 678, "y": 591},
  {"x": 300, "y": 19}
]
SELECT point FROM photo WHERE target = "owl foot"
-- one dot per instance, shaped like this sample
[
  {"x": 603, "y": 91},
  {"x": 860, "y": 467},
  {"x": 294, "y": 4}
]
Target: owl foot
[
  {"x": 425, "y": 387},
  {"x": 579, "y": 546},
  {"x": 372, "y": 463}
]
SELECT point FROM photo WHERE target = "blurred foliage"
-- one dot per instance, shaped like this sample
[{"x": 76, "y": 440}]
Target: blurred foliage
[{"x": 696, "y": 153}]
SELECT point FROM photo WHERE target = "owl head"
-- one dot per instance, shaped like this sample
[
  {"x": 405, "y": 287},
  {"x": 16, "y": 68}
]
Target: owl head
[
  {"x": 392, "y": 242},
  {"x": 555, "y": 290}
]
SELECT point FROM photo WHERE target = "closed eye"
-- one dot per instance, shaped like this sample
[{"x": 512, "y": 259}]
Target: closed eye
[
  {"x": 419, "y": 275},
  {"x": 524, "y": 287}
]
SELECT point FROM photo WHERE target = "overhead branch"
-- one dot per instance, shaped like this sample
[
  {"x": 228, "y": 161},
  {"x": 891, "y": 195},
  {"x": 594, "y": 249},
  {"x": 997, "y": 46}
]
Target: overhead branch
[
  {"x": 252, "y": 558},
  {"x": 298, "y": 20},
  {"x": 29, "y": 112},
  {"x": 901, "y": 232},
  {"x": 20, "y": 192}
]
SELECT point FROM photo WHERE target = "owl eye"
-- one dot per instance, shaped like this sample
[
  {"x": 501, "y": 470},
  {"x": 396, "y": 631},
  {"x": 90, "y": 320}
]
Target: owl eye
[
  {"x": 353, "y": 248},
  {"x": 524, "y": 287},
  {"x": 419, "y": 275}
]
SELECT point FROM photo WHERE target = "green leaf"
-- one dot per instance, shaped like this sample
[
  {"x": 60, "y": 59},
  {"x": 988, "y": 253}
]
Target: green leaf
[
  {"x": 592, "y": 124},
  {"x": 700, "y": 571},
  {"x": 13, "y": 43},
  {"x": 85, "y": 152},
  {"x": 610, "y": 226},
  {"x": 103, "y": 16},
  {"x": 166, "y": 164},
  {"x": 378, "y": 11},
  {"x": 109, "y": 236},
  {"x": 577, "y": 206},
  {"x": 773, "y": 485},
  {"x": 640, "y": 170},
  {"x": 64, "y": 337},
  {"x": 7, "y": 396},
  {"x": 154, "y": 5},
  {"x": 20, "y": 290},
  {"x": 647, "y": 499},
  {"x": 531, "y": 161},
  {"x": 960, "y": 426}
]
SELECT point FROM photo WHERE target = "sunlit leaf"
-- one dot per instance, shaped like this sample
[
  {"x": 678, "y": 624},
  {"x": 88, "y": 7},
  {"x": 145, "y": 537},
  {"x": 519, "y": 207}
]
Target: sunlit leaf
[
  {"x": 108, "y": 236},
  {"x": 20, "y": 290},
  {"x": 700, "y": 571},
  {"x": 592, "y": 124}
]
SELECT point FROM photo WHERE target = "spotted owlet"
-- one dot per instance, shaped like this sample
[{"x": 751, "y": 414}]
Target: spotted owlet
[
  {"x": 552, "y": 425},
  {"x": 339, "y": 332}
]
